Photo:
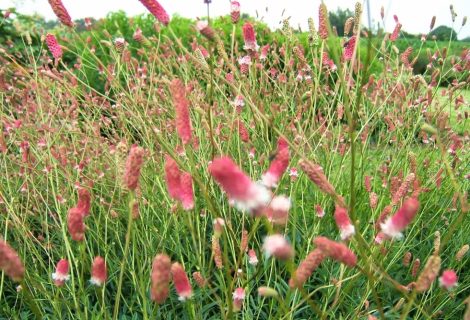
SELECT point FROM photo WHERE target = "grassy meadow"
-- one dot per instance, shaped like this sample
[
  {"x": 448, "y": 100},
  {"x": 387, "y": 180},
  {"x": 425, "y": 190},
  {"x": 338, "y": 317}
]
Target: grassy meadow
[{"x": 114, "y": 143}]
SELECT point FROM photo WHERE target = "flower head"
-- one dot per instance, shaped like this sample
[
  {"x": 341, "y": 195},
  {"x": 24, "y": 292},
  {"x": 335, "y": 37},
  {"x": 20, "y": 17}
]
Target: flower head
[
  {"x": 246, "y": 194},
  {"x": 181, "y": 104},
  {"x": 61, "y": 273},
  {"x": 448, "y": 279},
  {"x": 61, "y": 12},
  {"x": 235, "y": 11},
  {"x": 252, "y": 258},
  {"x": 133, "y": 166},
  {"x": 277, "y": 246},
  {"x": 336, "y": 251},
  {"x": 277, "y": 168},
  {"x": 54, "y": 46},
  {"x": 181, "y": 281},
  {"x": 238, "y": 297},
  {"x": 10, "y": 262},
  {"x": 344, "y": 223},
  {"x": 250, "y": 37},
  {"x": 160, "y": 276},
  {"x": 157, "y": 11},
  {"x": 393, "y": 226},
  {"x": 99, "y": 272}
]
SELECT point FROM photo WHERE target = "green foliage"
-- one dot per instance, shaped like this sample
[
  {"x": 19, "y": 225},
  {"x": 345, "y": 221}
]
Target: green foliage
[
  {"x": 444, "y": 33},
  {"x": 338, "y": 18}
]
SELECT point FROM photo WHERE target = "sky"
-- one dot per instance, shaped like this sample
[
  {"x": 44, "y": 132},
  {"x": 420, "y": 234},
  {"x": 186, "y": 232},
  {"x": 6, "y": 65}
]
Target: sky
[{"x": 414, "y": 15}]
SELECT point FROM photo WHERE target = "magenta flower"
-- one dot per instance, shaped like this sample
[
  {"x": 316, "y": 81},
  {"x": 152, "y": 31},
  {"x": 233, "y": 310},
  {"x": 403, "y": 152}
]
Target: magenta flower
[
  {"x": 344, "y": 223},
  {"x": 249, "y": 37},
  {"x": 394, "y": 225},
  {"x": 61, "y": 273},
  {"x": 448, "y": 279},
  {"x": 181, "y": 281},
  {"x": 244, "y": 193},
  {"x": 156, "y": 10},
  {"x": 54, "y": 46},
  {"x": 99, "y": 272}
]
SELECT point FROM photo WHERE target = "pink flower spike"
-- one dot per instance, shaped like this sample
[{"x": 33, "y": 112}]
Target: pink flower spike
[
  {"x": 181, "y": 281},
  {"x": 156, "y": 10},
  {"x": 394, "y": 225},
  {"x": 448, "y": 279},
  {"x": 61, "y": 273},
  {"x": 349, "y": 48},
  {"x": 247, "y": 195},
  {"x": 344, "y": 223},
  {"x": 250, "y": 37},
  {"x": 172, "y": 177},
  {"x": 336, "y": 251},
  {"x": 99, "y": 272},
  {"x": 277, "y": 168},
  {"x": 252, "y": 258},
  {"x": 238, "y": 297},
  {"x": 278, "y": 247},
  {"x": 235, "y": 11},
  {"x": 319, "y": 210},
  {"x": 181, "y": 104},
  {"x": 61, "y": 12},
  {"x": 187, "y": 195},
  {"x": 278, "y": 210},
  {"x": 54, "y": 46}
]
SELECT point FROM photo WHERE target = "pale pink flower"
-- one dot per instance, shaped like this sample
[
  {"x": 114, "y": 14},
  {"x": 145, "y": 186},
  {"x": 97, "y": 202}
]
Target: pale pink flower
[
  {"x": 264, "y": 52},
  {"x": 61, "y": 273},
  {"x": 319, "y": 210},
  {"x": 219, "y": 225},
  {"x": 394, "y": 225},
  {"x": 278, "y": 210},
  {"x": 448, "y": 279},
  {"x": 204, "y": 28},
  {"x": 277, "y": 246},
  {"x": 277, "y": 168},
  {"x": 238, "y": 297},
  {"x": 156, "y": 10},
  {"x": 246, "y": 195},
  {"x": 99, "y": 272},
  {"x": 249, "y": 37},
  {"x": 235, "y": 11},
  {"x": 54, "y": 46},
  {"x": 181, "y": 281},
  {"x": 343, "y": 222},
  {"x": 252, "y": 258}
]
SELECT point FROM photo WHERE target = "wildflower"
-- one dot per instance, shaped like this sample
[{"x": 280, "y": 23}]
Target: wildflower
[
  {"x": 264, "y": 52},
  {"x": 462, "y": 252},
  {"x": 219, "y": 225},
  {"x": 336, "y": 251},
  {"x": 323, "y": 22},
  {"x": 75, "y": 224},
  {"x": 133, "y": 166},
  {"x": 204, "y": 28},
  {"x": 249, "y": 37},
  {"x": 393, "y": 226},
  {"x": 98, "y": 271},
  {"x": 293, "y": 173},
  {"x": 319, "y": 210},
  {"x": 181, "y": 281},
  {"x": 244, "y": 63},
  {"x": 429, "y": 274},
  {"x": 306, "y": 268},
  {"x": 61, "y": 12},
  {"x": 156, "y": 10},
  {"x": 267, "y": 292},
  {"x": 187, "y": 194},
  {"x": 395, "y": 32},
  {"x": 120, "y": 44},
  {"x": 246, "y": 194},
  {"x": 217, "y": 252},
  {"x": 373, "y": 199},
  {"x": 200, "y": 281},
  {"x": 160, "y": 278},
  {"x": 235, "y": 11},
  {"x": 277, "y": 246},
  {"x": 10, "y": 262},
  {"x": 244, "y": 241},
  {"x": 380, "y": 237},
  {"x": 172, "y": 177},
  {"x": 252, "y": 258},
  {"x": 54, "y": 46},
  {"x": 242, "y": 131},
  {"x": 349, "y": 48},
  {"x": 315, "y": 173},
  {"x": 61, "y": 273},
  {"x": 84, "y": 201},
  {"x": 181, "y": 104},
  {"x": 278, "y": 210},
  {"x": 344, "y": 223},
  {"x": 277, "y": 168},
  {"x": 415, "y": 267},
  {"x": 238, "y": 297},
  {"x": 407, "y": 259},
  {"x": 448, "y": 279},
  {"x": 239, "y": 102}
]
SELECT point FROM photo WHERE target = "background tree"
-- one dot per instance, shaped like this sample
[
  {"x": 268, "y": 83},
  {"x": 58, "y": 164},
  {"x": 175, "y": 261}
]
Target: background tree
[
  {"x": 338, "y": 18},
  {"x": 444, "y": 33}
]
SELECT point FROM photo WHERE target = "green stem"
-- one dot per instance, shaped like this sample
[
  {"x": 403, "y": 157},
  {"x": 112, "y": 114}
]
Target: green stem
[
  {"x": 126, "y": 252},
  {"x": 30, "y": 300}
]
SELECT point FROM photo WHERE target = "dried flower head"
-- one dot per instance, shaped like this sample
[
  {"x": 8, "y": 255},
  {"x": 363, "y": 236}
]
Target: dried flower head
[{"x": 429, "y": 274}]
